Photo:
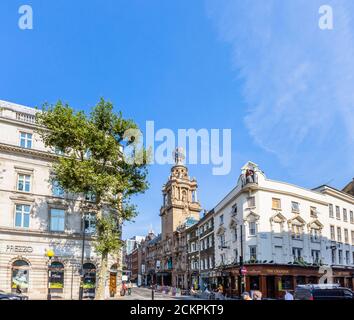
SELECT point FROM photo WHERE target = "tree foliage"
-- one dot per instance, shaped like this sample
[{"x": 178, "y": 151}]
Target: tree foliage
[{"x": 94, "y": 163}]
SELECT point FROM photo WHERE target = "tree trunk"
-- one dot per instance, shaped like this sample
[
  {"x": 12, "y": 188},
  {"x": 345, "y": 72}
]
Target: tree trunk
[{"x": 102, "y": 275}]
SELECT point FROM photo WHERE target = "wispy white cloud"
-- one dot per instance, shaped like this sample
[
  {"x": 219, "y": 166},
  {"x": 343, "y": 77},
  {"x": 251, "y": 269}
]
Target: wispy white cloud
[{"x": 298, "y": 79}]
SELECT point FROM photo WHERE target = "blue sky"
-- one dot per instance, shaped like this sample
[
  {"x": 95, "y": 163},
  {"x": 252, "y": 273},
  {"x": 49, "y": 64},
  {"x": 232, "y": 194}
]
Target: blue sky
[{"x": 262, "y": 68}]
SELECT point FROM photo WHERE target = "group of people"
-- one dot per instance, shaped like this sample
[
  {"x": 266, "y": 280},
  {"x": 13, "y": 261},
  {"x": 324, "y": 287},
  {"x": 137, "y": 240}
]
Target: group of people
[
  {"x": 126, "y": 288},
  {"x": 254, "y": 294}
]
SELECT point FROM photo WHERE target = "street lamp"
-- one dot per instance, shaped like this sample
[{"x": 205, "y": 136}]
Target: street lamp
[
  {"x": 81, "y": 289},
  {"x": 50, "y": 255}
]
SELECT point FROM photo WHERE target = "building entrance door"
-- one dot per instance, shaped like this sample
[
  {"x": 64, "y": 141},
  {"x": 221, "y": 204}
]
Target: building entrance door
[
  {"x": 113, "y": 283},
  {"x": 270, "y": 287}
]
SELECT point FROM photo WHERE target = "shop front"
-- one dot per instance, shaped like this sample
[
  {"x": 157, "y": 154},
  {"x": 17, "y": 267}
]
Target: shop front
[{"x": 274, "y": 280}]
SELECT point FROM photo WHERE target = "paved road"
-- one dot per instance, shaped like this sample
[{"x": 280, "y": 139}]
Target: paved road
[{"x": 145, "y": 294}]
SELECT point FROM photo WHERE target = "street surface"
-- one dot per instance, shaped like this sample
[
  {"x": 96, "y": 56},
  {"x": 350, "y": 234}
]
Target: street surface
[{"x": 145, "y": 294}]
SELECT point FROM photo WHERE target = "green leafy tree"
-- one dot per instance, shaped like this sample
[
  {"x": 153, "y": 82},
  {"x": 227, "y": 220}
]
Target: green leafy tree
[{"x": 93, "y": 163}]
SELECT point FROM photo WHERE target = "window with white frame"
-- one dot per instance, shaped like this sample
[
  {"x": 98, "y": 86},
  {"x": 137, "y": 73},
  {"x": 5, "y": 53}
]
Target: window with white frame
[
  {"x": 315, "y": 256},
  {"x": 315, "y": 234},
  {"x": 313, "y": 212},
  {"x": 347, "y": 257},
  {"x": 23, "y": 182},
  {"x": 252, "y": 227},
  {"x": 211, "y": 262},
  {"x": 210, "y": 241},
  {"x": 253, "y": 252},
  {"x": 330, "y": 208},
  {"x": 345, "y": 215},
  {"x": 295, "y": 206},
  {"x": 251, "y": 202},
  {"x": 90, "y": 223},
  {"x": 346, "y": 236},
  {"x": 351, "y": 216},
  {"x": 236, "y": 255},
  {"x": 22, "y": 215},
  {"x": 352, "y": 233},
  {"x": 26, "y": 140},
  {"x": 334, "y": 256},
  {"x": 222, "y": 240},
  {"x": 234, "y": 233},
  {"x": 57, "y": 190},
  {"x": 57, "y": 220},
  {"x": 340, "y": 256},
  {"x": 234, "y": 209},
  {"x": 333, "y": 235},
  {"x": 297, "y": 253},
  {"x": 296, "y": 231},
  {"x": 339, "y": 234},
  {"x": 276, "y": 204},
  {"x": 338, "y": 212},
  {"x": 221, "y": 219}
]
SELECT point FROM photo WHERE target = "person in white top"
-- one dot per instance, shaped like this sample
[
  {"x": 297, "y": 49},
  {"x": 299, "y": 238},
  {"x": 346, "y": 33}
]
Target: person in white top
[{"x": 288, "y": 296}]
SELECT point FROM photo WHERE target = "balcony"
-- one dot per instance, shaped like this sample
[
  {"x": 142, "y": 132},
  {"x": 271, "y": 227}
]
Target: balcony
[{"x": 25, "y": 117}]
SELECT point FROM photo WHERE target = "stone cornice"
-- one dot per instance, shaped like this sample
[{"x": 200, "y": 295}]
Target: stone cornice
[
  {"x": 28, "y": 152},
  {"x": 258, "y": 188},
  {"x": 42, "y": 233}
]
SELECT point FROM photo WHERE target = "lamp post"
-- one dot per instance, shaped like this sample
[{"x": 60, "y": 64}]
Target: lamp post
[
  {"x": 241, "y": 279},
  {"x": 81, "y": 289},
  {"x": 50, "y": 255}
]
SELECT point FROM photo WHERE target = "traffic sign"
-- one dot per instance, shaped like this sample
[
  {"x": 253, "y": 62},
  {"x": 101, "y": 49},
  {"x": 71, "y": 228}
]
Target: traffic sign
[{"x": 243, "y": 270}]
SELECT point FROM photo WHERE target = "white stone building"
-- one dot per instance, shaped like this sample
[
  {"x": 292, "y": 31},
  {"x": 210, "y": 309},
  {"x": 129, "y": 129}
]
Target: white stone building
[
  {"x": 283, "y": 232},
  {"x": 36, "y": 217}
]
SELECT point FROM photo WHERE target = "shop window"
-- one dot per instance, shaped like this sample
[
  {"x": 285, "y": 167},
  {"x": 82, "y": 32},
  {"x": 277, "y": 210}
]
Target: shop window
[
  {"x": 56, "y": 278},
  {"x": 20, "y": 276},
  {"x": 89, "y": 278},
  {"x": 287, "y": 283}
]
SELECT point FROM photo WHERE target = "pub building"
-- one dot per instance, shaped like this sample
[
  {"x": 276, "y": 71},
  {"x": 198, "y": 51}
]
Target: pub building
[
  {"x": 273, "y": 280},
  {"x": 285, "y": 235}
]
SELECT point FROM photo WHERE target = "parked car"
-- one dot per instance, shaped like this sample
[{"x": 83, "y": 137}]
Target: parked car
[
  {"x": 322, "y": 292},
  {"x": 12, "y": 296}
]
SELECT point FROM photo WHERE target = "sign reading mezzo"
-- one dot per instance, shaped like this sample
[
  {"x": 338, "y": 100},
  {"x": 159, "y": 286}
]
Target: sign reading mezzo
[{"x": 19, "y": 249}]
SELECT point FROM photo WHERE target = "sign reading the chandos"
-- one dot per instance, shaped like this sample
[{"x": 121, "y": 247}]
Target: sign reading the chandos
[{"x": 18, "y": 249}]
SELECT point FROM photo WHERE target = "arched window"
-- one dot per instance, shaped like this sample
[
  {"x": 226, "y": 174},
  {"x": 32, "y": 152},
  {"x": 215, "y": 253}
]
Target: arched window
[
  {"x": 57, "y": 276},
  {"x": 20, "y": 276}
]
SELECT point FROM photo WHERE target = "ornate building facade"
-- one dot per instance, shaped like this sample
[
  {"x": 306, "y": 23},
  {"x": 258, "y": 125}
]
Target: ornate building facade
[
  {"x": 164, "y": 258},
  {"x": 282, "y": 235},
  {"x": 37, "y": 217}
]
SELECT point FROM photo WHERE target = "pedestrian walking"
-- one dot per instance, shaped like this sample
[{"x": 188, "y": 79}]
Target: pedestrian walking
[
  {"x": 257, "y": 295},
  {"x": 288, "y": 296},
  {"x": 246, "y": 296}
]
